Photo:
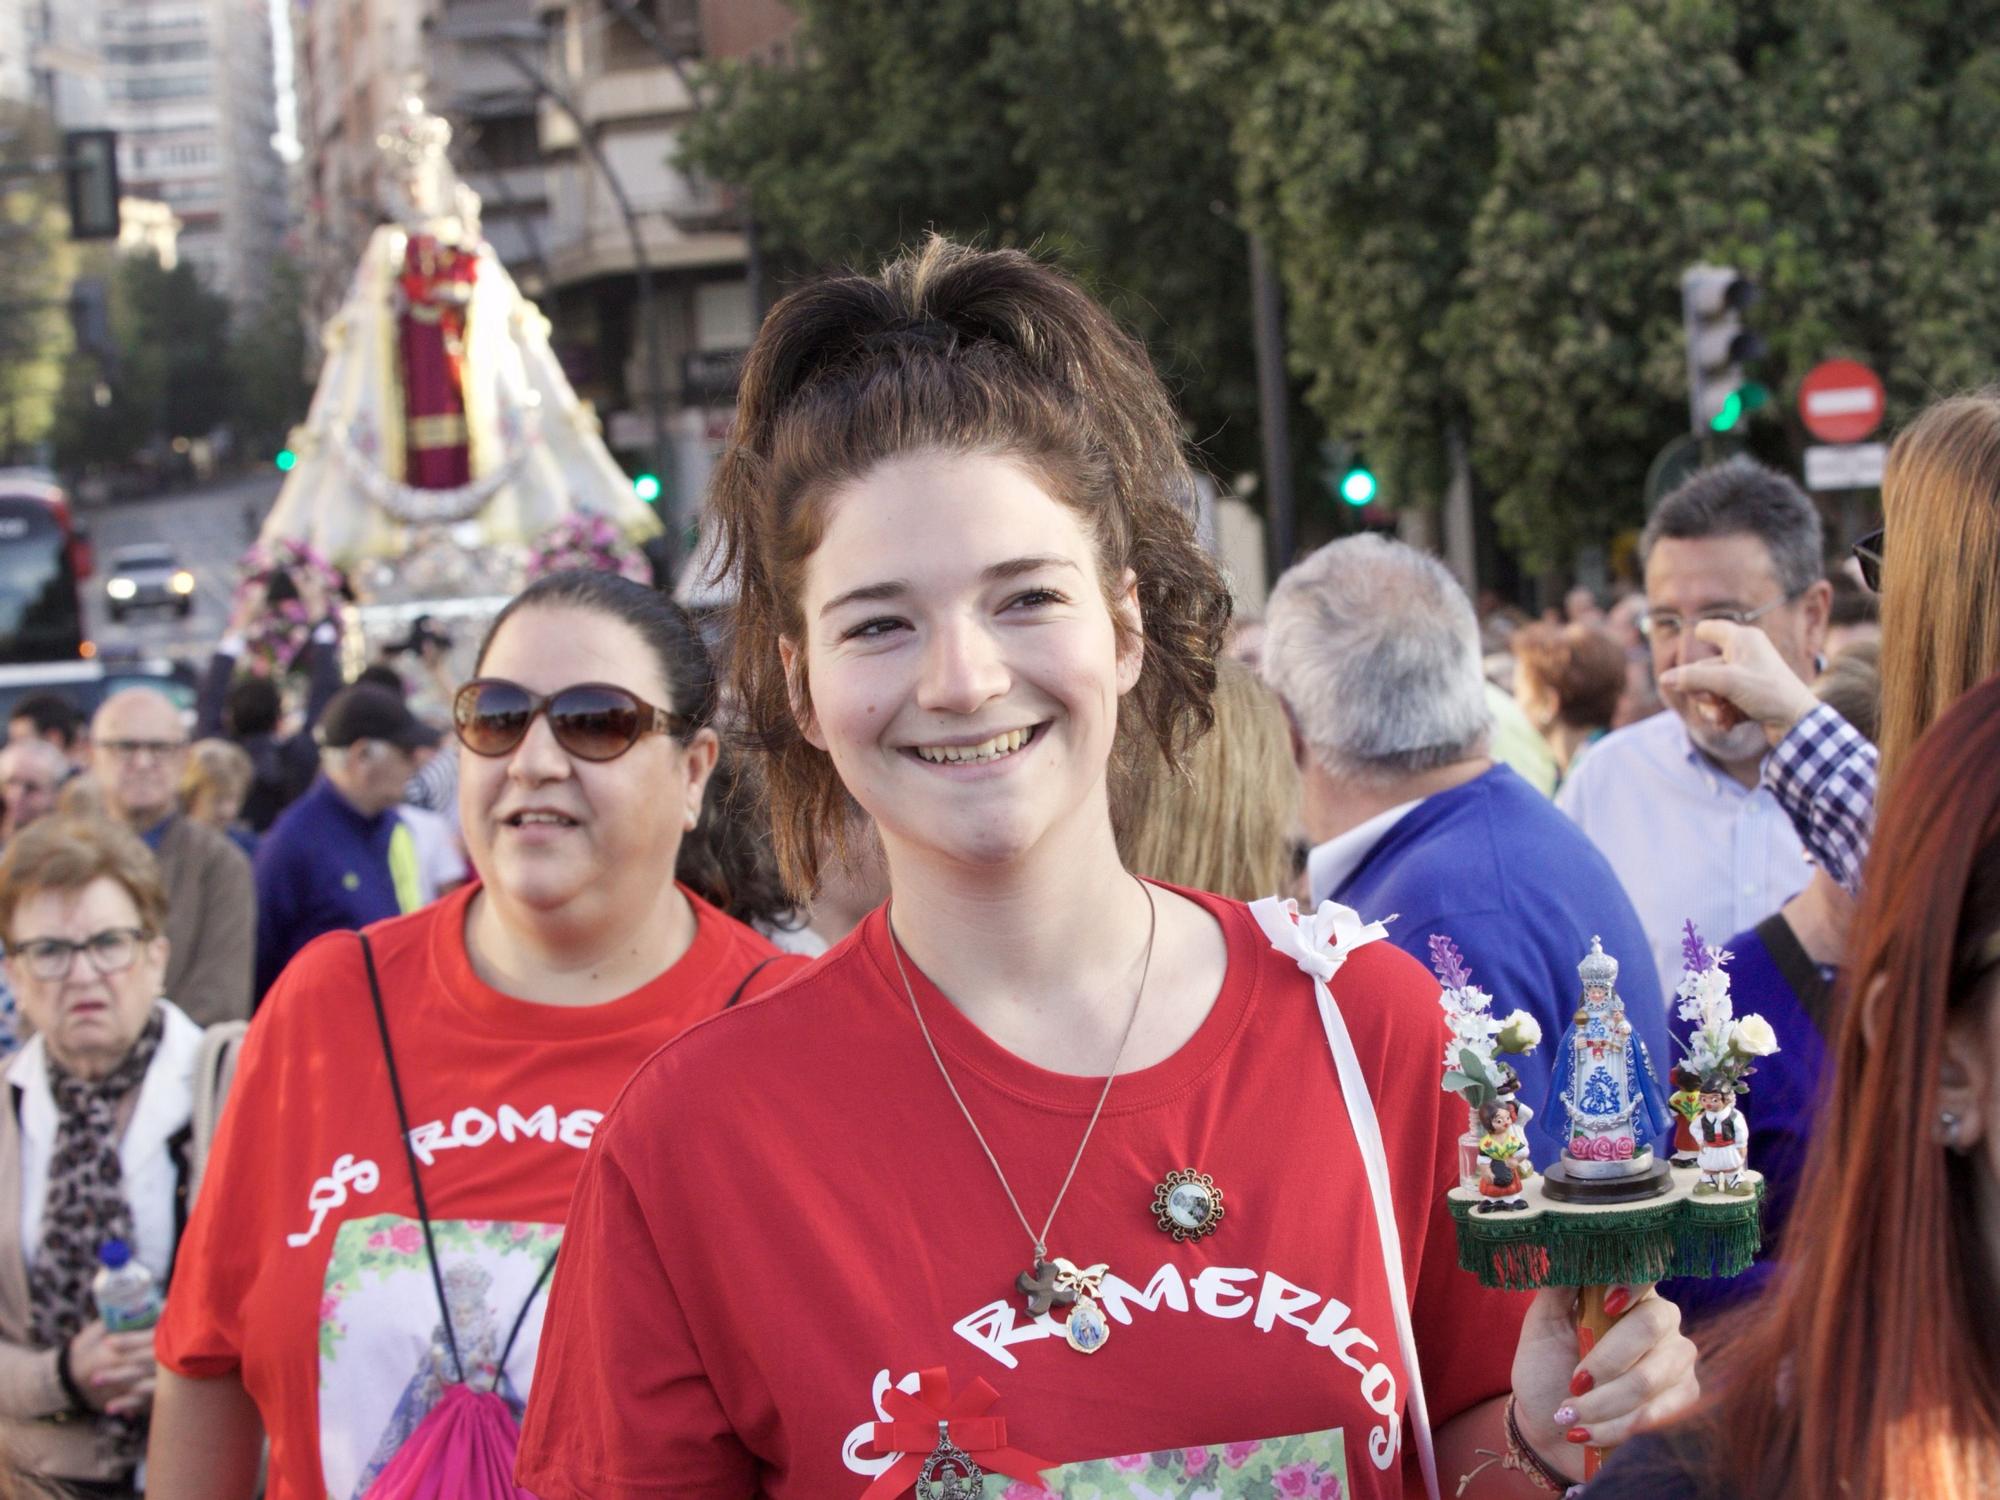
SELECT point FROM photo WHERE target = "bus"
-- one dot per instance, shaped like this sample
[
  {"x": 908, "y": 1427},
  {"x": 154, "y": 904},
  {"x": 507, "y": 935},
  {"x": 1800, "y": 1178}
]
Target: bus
[{"x": 44, "y": 558}]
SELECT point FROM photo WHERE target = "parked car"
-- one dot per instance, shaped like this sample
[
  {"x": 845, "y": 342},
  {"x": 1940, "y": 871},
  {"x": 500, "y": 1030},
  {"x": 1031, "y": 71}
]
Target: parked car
[{"x": 148, "y": 577}]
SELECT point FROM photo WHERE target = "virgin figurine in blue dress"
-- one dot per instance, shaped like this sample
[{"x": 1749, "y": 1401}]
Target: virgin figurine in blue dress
[{"x": 1605, "y": 1085}]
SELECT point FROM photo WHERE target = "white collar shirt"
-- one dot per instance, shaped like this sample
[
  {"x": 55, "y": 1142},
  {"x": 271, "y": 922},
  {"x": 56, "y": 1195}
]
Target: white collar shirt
[
  {"x": 1329, "y": 865},
  {"x": 1687, "y": 840}
]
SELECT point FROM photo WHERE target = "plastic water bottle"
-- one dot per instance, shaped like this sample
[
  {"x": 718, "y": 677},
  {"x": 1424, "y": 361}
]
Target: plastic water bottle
[{"x": 128, "y": 1299}]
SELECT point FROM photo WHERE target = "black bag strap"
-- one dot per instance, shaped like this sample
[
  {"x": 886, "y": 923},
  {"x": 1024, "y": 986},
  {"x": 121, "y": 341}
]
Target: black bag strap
[
  {"x": 410, "y": 1154},
  {"x": 520, "y": 1319},
  {"x": 744, "y": 983}
]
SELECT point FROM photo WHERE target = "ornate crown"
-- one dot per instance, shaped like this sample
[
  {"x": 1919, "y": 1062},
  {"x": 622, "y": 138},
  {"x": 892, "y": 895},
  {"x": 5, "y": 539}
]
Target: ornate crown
[
  {"x": 413, "y": 135},
  {"x": 1598, "y": 967}
]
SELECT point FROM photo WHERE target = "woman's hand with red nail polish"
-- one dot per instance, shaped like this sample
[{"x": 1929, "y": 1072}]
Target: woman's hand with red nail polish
[{"x": 1640, "y": 1371}]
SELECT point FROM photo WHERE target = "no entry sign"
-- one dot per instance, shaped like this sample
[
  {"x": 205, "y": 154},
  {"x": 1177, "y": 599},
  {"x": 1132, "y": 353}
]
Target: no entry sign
[{"x": 1841, "y": 401}]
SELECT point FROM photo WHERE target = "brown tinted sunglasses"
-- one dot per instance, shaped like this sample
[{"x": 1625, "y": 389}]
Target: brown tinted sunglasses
[{"x": 590, "y": 720}]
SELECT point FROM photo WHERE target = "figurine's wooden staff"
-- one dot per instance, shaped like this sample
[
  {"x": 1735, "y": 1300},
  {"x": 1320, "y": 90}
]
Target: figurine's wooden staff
[{"x": 1596, "y": 1246}]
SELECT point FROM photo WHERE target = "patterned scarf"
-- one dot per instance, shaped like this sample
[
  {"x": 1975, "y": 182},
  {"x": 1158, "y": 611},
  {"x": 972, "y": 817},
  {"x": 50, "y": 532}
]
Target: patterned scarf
[{"x": 86, "y": 1203}]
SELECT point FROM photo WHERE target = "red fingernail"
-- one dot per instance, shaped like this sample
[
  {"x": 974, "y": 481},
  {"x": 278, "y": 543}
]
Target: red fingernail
[
  {"x": 1578, "y": 1434},
  {"x": 1583, "y": 1382},
  {"x": 1617, "y": 1301},
  {"x": 1585, "y": 1341}
]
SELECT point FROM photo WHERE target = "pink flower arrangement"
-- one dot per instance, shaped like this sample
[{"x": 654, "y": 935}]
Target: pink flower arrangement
[
  {"x": 584, "y": 539},
  {"x": 1236, "y": 1455},
  {"x": 406, "y": 1239},
  {"x": 280, "y": 629}
]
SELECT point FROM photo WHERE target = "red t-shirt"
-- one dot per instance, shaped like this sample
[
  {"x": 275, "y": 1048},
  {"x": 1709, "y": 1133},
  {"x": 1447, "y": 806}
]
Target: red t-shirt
[
  {"x": 786, "y": 1215},
  {"x": 303, "y": 1265}
]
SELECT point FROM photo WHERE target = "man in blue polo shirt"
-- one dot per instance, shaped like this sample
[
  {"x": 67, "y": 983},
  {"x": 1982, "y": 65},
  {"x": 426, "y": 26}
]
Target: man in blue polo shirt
[
  {"x": 1374, "y": 648},
  {"x": 340, "y": 857}
]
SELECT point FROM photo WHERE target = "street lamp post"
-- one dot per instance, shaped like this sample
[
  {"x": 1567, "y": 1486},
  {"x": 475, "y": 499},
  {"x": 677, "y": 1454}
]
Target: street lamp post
[{"x": 506, "y": 39}]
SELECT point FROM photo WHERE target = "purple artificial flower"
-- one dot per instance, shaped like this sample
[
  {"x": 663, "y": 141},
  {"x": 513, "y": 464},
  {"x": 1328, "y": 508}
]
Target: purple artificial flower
[
  {"x": 1448, "y": 963},
  {"x": 1696, "y": 956}
]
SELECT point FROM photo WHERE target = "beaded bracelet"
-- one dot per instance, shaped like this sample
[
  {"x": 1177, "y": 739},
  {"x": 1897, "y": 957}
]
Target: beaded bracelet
[{"x": 1522, "y": 1456}]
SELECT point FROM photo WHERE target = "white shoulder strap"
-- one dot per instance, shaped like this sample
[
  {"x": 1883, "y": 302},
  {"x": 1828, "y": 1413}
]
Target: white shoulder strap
[{"x": 1319, "y": 944}]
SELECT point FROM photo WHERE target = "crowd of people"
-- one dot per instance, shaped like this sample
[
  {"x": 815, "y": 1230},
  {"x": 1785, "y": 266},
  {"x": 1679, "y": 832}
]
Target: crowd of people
[{"x": 840, "y": 1045}]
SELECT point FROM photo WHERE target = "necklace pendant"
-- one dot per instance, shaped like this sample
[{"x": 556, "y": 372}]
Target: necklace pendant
[
  {"x": 1045, "y": 1286},
  {"x": 949, "y": 1473},
  {"x": 1086, "y": 1329}
]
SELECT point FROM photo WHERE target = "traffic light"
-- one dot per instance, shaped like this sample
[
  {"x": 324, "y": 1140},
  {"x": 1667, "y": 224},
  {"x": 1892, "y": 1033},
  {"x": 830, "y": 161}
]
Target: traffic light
[
  {"x": 1715, "y": 301},
  {"x": 286, "y": 460},
  {"x": 90, "y": 180},
  {"x": 647, "y": 487},
  {"x": 1358, "y": 486}
]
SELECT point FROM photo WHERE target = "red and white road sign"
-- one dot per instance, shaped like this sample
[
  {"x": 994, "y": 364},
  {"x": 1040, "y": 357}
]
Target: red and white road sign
[{"x": 1841, "y": 401}]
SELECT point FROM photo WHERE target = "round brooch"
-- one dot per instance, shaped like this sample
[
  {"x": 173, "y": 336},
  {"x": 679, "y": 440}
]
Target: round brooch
[{"x": 1188, "y": 1205}]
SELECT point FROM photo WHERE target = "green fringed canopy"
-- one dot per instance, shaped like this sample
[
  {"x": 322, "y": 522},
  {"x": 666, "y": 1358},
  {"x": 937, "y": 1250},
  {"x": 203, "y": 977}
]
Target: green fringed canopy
[{"x": 1565, "y": 1244}]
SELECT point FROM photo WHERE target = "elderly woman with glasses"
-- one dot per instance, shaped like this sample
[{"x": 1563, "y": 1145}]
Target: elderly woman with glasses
[
  {"x": 413, "y": 1104},
  {"x": 95, "y": 1146}
]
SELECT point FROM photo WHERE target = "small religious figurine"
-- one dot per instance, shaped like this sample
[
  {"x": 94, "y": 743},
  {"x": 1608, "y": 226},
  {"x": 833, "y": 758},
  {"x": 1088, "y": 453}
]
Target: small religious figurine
[
  {"x": 1604, "y": 1081},
  {"x": 1493, "y": 1152},
  {"x": 1685, "y": 1102},
  {"x": 1721, "y": 1051},
  {"x": 1724, "y": 1138},
  {"x": 1504, "y": 1166}
]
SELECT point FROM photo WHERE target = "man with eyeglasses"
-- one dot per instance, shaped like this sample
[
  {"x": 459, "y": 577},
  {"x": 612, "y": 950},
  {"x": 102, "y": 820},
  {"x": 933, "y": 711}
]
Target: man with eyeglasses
[
  {"x": 341, "y": 857},
  {"x": 32, "y": 773},
  {"x": 1678, "y": 802},
  {"x": 138, "y": 749}
]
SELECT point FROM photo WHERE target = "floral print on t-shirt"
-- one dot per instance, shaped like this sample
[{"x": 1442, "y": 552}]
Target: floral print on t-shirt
[
  {"x": 1309, "y": 1466},
  {"x": 384, "y": 1358}
]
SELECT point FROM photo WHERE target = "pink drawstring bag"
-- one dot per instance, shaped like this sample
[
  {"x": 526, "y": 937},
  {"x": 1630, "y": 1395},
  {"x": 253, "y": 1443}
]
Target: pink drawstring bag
[
  {"x": 464, "y": 1447},
  {"x": 463, "y": 1450}
]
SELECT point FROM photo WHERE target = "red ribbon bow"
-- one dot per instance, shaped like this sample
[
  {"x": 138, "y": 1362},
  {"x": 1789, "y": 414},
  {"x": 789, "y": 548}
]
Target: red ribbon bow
[{"x": 912, "y": 1431}]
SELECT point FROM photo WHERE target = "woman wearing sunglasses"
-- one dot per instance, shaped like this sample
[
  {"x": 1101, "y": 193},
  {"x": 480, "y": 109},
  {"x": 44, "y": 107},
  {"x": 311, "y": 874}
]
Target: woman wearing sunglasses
[
  {"x": 1936, "y": 563},
  {"x": 1043, "y": 1169},
  {"x": 391, "y": 1182}
]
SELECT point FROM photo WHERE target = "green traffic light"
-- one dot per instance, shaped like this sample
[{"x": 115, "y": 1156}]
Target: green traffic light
[
  {"x": 646, "y": 487},
  {"x": 1726, "y": 419},
  {"x": 1357, "y": 486},
  {"x": 287, "y": 460}
]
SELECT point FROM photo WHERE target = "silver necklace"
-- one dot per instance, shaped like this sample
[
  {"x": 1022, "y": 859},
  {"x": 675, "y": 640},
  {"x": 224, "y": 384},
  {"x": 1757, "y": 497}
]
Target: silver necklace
[{"x": 1057, "y": 1282}]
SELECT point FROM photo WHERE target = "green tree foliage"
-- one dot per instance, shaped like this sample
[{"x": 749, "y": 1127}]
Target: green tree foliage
[
  {"x": 35, "y": 265},
  {"x": 1049, "y": 123},
  {"x": 1483, "y": 210},
  {"x": 267, "y": 359},
  {"x": 170, "y": 374}
]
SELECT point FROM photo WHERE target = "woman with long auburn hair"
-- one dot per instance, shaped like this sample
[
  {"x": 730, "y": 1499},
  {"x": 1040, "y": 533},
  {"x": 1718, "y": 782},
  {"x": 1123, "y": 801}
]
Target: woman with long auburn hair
[
  {"x": 1936, "y": 564},
  {"x": 1874, "y": 1367}
]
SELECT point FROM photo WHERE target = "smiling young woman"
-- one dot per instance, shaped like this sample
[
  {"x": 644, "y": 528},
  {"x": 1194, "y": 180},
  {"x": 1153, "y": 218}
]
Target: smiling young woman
[{"x": 861, "y": 1236}]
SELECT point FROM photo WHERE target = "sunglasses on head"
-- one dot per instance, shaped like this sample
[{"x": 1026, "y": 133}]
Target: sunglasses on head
[{"x": 591, "y": 720}]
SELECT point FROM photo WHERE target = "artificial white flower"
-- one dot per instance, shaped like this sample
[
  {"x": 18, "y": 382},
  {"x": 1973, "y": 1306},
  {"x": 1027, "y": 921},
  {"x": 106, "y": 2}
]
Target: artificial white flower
[
  {"x": 1520, "y": 1032},
  {"x": 1754, "y": 1037}
]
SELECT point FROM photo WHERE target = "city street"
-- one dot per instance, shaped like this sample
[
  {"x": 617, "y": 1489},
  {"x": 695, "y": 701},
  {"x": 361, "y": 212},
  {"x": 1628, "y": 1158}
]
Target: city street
[{"x": 207, "y": 528}]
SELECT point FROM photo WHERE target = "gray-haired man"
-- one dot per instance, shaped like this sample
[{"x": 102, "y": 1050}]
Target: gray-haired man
[
  {"x": 1675, "y": 801},
  {"x": 1375, "y": 651}
]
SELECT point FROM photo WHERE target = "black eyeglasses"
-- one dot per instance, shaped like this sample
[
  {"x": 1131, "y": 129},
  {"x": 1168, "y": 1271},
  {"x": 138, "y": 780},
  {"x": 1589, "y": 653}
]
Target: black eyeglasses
[
  {"x": 1868, "y": 553},
  {"x": 111, "y": 952},
  {"x": 591, "y": 720}
]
